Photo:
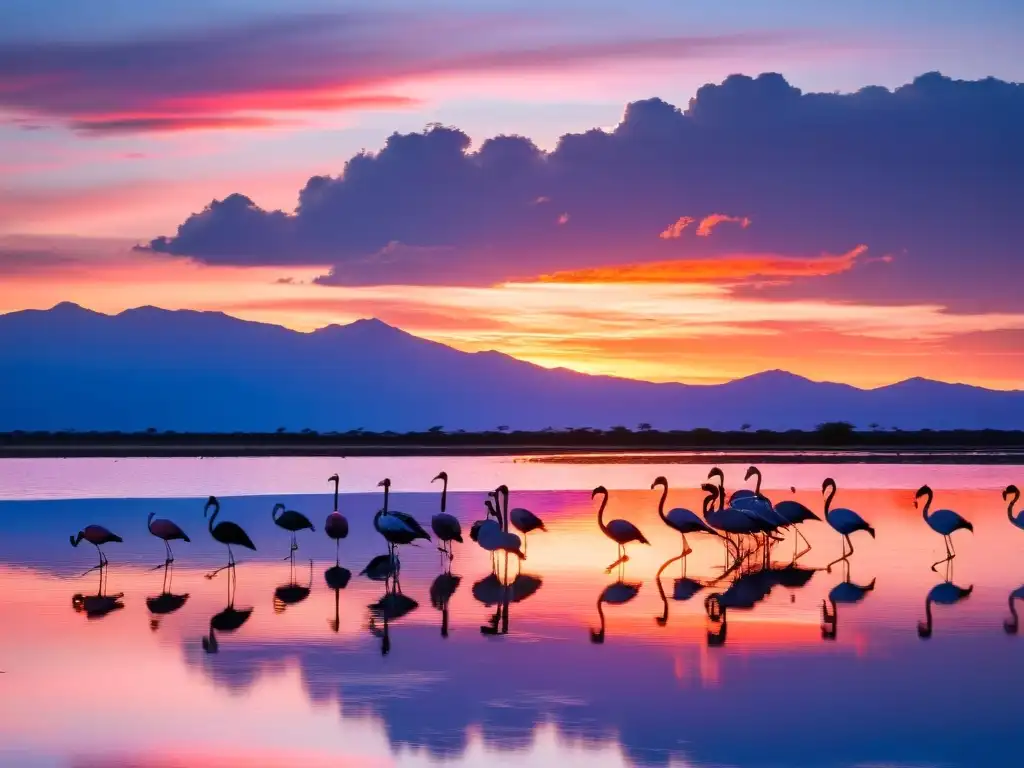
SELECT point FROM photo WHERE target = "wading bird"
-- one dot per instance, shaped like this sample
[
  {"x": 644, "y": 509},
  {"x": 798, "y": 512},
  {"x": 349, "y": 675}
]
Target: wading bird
[
  {"x": 616, "y": 593},
  {"x": 336, "y": 525},
  {"x": 96, "y": 535},
  {"x": 227, "y": 533},
  {"x": 1012, "y": 494},
  {"x": 620, "y": 531},
  {"x": 495, "y": 536},
  {"x": 396, "y": 527},
  {"x": 682, "y": 520},
  {"x": 943, "y": 593},
  {"x": 1011, "y": 624},
  {"x": 523, "y": 520},
  {"x": 168, "y": 531},
  {"x": 446, "y": 527},
  {"x": 291, "y": 521},
  {"x": 843, "y": 521},
  {"x": 942, "y": 521}
]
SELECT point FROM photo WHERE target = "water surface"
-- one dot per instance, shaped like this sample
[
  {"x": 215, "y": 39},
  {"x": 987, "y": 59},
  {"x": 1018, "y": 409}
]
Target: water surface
[{"x": 499, "y": 676}]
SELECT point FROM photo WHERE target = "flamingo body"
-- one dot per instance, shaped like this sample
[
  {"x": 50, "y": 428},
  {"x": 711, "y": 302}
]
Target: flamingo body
[
  {"x": 291, "y": 520},
  {"x": 96, "y": 535},
  {"x": 793, "y": 512},
  {"x": 846, "y": 521},
  {"x": 524, "y": 521},
  {"x": 336, "y": 526},
  {"x": 623, "y": 532},
  {"x": 945, "y": 521},
  {"x": 446, "y": 527},
  {"x": 166, "y": 529}
]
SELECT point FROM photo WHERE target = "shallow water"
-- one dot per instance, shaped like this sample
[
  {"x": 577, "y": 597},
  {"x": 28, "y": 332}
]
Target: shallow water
[{"x": 305, "y": 680}]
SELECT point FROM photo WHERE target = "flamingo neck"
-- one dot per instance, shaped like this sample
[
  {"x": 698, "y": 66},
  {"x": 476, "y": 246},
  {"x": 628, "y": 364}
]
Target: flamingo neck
[
  {"x": 1009, "y": 509},
  {"x": 604, "y": 528},
  {"x": 927, "y": 504},
  {"x": 928, "y": 616},
  {"x": 76, "y": 540},
  {"x": 661, "y": 503},
  {"x": 505, "y": 513},
  {"x": 757, "y": 486},
  {"x": 721, "y": 493},
  {"x": 599, "y": 635},
  {"x": 216, "y": 511},
  {"x": 828, "y": 499},
  {"x": 386, "y": 489},
  {"x": 444, "y": 494},
  {"x": 337, "y": 482},
  {"x": 1013, "y": 612}
]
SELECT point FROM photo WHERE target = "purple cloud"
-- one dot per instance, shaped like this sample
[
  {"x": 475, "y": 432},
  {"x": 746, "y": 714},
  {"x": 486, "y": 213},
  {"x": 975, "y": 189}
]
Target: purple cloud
[
  {"x": 257, "y": 73},
  {"x": 929, "y": 176}
]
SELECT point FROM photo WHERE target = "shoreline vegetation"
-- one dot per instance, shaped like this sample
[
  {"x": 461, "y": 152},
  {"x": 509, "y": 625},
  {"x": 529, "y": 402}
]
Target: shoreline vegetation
[{"x": 840, "y": 440}]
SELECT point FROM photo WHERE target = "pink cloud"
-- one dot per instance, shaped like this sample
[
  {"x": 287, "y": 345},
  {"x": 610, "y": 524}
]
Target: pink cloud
[
  {"x": 708, "y": 223},
  {"x": 676, "y": 229}
]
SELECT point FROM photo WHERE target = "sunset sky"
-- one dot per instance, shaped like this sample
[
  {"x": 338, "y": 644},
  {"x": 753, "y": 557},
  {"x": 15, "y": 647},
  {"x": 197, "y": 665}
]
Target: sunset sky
[{"x": 585, "y": 184}]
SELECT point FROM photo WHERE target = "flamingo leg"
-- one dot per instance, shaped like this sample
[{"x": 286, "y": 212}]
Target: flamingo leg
[
  {"x": 337, "y": 551},
  {"x": 686, "y": 547},
  {"x": 950, "y": 554}
]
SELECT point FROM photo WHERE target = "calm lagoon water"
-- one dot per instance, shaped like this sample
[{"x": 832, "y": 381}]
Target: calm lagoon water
[{"x": 499, "y": 676}]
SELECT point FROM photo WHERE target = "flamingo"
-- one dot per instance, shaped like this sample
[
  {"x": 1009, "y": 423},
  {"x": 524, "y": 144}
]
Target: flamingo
[
  {"x": 794, "y": 513},
  {"x": 843, "y": 521},
  {"x": 336, "y": 525},
  {"x": 616, "y": 593},
  {"x": 495, "y": 536},
  {"x": 1012, "y": 490},
  {"x": 683, "y": 589},
  {"x": 679, "y": 519},
  {"x": 942, "y": 521},
  {"x": 746, "y": 493},
  {"x": 291, "y": 521},
  {"x": 168, "y": 531},
  {"x": 523, "y": 520},
  {"x": 1011, "y": 624},
  {"x": 620, "y": 531},
  {"x": 96, "y": 535},
  {"x": 730, "y": 519},
  {"x": 396, "y": 527},
  {"x": 227, "y": 533},
  {"x": 751, "y": 506},
  {"x": 445, "y": 526}
]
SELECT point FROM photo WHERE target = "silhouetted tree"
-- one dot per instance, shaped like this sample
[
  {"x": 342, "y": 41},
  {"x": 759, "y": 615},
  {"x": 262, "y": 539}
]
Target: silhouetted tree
[
  {"x": 281, "y": 430},
  {"x": 438, "y": 430},
  {"x": 873, "y": 426},
  {"x": 835, "y": 430},
  {"x": 503, "y": 428},
  {"x": 643, "y": 426},
  {"x": 744, "y": 427}
]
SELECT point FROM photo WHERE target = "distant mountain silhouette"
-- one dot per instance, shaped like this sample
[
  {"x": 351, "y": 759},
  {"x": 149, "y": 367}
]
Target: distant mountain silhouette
[{"x": 72, "y": 368}]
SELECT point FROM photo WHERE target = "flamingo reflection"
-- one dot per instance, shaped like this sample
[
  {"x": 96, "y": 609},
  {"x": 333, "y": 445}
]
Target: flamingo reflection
[
  {"x": 846, "y": 593},
  {"x": 441, "y": 591},
  {"x": 618, "y": 592},
  {"x": 492, "y": 590},
  {"x": 744, "y": 593},
  {"x": 99, "y": 605},
  {"x": 227, "y": 621},
  {"x": 943, "y": 593},
  {"x": 1011, "y": 624},
  {"x": 337, "y": 579},
  {"x": 292, "y": 593},
  {"x": 683, "y": 589},
  {"x": 391, "y": 607},
  {"x": 166, "y": 602}
]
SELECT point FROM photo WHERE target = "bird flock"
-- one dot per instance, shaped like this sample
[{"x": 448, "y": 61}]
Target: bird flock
[{"x": 746, "y": 521}]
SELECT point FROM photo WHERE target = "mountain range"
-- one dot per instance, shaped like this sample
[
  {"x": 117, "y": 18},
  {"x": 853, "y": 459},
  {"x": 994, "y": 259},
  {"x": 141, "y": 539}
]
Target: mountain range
[{"x": 72, "y": 368}]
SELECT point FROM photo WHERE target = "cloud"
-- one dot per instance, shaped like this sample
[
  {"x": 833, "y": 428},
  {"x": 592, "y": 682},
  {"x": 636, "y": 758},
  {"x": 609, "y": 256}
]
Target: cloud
[
  {"x": 676, "y": 229},
  {"x": 708, "y": 223},
  {"x": 731, "y": 268},
  {"x": 260, "y": 72},
  {"x": 929, "y": 171}
]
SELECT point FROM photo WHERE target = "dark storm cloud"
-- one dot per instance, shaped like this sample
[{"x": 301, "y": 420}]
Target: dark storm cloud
[{"x": 929, "y": 176}]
